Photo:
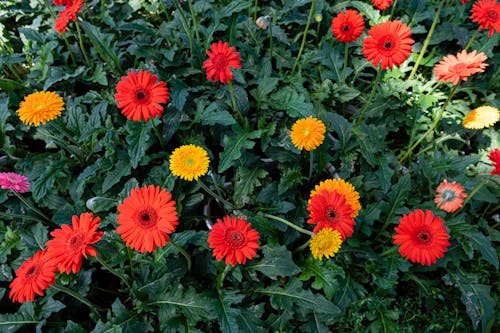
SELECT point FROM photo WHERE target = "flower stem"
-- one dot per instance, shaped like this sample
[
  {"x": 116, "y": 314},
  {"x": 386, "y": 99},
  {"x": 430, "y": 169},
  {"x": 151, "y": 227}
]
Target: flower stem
[
  {"x": 112, "y": 270},
  {"x": 78, "y": 297},
  {"x": 72, "y": 56},
  {"x": 30, "y": 206},
  {"x": 471, "y": 194},
  {"x": 346, "y": 50},
  {"x": 183, "y": 252},
  {"x": 221, "y": 276},
  {"x": 303, "y": 246},
  {"x": 195, "y": 23},
  {"x": 157, "y": 132},
  {"x": 389, "y": 251},
  {"x": 214, "y": 195},
  {"x": 186, "y": 26},
  {"x": 82, "y": 47},
  {"x": 469, "y": 44},
  {"x": 393, "y": 9},
  {"x": 290, "y": 224},
  {"x": 255, "y": 7},
  {"x": 129, "y": 254},
  {"x": 271, "y": 39},
  {"x": 311, "y": 163},
  {"x": 304, "y": 37},
  {"x": 233, "y": 100},
  {"x": 427, "y": 40},
  {"x": 372, "y": 93}
]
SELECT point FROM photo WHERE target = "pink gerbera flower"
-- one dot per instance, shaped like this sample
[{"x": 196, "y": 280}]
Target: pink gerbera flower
[{"x": 15, "y": 182}]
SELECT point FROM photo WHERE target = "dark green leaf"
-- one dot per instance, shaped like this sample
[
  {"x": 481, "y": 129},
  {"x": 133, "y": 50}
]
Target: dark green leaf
[
  {"x": 138, "y": 141},
  {"x": 35, "y": 239},
  {"x": 233, "y": 146},
  {"x": 247, "y": 180},
  {"x": 277, "y": 261}
]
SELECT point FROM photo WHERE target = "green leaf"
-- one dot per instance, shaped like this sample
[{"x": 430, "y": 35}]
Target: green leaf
[
  {"x": 289, "y": 100},
  {"x": 227, "y": 315},
  {"x": 100, "y": 204},
  {"x": 122, "y": 169},
  {"x": 333, "y": 58},
  {"x": 210, "y": 115},
  {"x": 247, "y": 180},
  {"x": 44, "y": 183},
  {"x": 324, "y": 274},
  {"x": 10, "y": 241},
  {"x": 137, "y": 140},
  {"x": 10, "y": 323},
  {"x": 483, "y": 244},
  {"x": 35, "y": 239},
  {"x": 233, "y": 7},
  {"x": 341, "y": 127},
  {"x": 50, "y": 306},
  {"x": 277, "y": 261},
  {"x": 233, "y": 146}
]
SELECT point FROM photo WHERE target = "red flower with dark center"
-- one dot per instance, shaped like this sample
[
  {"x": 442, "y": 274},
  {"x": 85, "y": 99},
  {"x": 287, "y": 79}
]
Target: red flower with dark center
[
  {"x": 221, "y": 59},
  {"x": 139, "y": 95},
  {"x": 329, "y": 209},
  {"x": 348, "y": 26},
  {"x": 422, "y": 236},
  {"x": 68, "y": 14},
  {"x": 382, "y": 4},
  {"x": 146, "y": 218},
  {"x": 487, "y": 14},
  {"x": 234, "y": 240},
  {"x": 70, "y": 243},
  {"x": 494, "y": 156},
  {"x": 32, "y": 277},
  {"x": 389, "y": 43}
]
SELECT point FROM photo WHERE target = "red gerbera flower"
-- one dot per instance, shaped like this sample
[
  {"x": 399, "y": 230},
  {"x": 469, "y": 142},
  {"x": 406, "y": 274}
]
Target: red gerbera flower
[
  {"x": 494, "y": 156},
  {"x": 329, "y": 209},
  {"x": 139, "y": 95},
  {"x": 450, "y": 196},
  {"x": 453, "y": 68},
  {"x": 422, "y": 236},
  {"x": 389, "y": 43},
  {"x": 487, "y": 14},
  {"x": 221, "y": 59},
  {"x": 68, "y": 14},
  {"x": 233, "y": 238},
  {"x": 33, "y": 276},
  {"x": 348, "y": 26},
  {"x": 382, "y": 4},
  {"x": 60, "y": 2},
  {"x": 70, "y": 243},
  {"x": 146, "y": 217}
]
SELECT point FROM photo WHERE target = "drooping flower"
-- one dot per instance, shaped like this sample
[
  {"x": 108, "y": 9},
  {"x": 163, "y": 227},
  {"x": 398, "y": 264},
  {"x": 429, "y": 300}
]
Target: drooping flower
[
  {"x": 140, "y": 96},
  {"x": 308, "y": 133},
  {"x": 453, "y": 68},
  {"x": 234, "y": 240},
  {"x": 343, "y": 188},
  {"x": 326, "y": 243},
  {"x": 34, "y": 276},
  {"x": 494, "y": 157},
  {"x": 348, "y": 26},
  {"x": 71, "y": 242},
  {"x": 422, "y": 236},
  {"x": 450, "y": 196},
  {"x": 382, "y": 4},
  {"x": 146, "y": 218},
  {"x": 389, "y": 44},
  {"x": 487, "y": 14},
  {"x": 221, "y": 59},
  {"x": 14, "y": 182},
  {"x": 189, "y": 162},
  {"x": 68, "y": 14},
  {"x": 330, "y": 210},
  {"x": 481, "y": 117},
  {"x": 40, "y": 107}
]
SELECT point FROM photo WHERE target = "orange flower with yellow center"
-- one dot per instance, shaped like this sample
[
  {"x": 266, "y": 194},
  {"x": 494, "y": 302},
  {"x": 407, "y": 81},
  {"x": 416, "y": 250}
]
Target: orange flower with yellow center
[
  {"x": 40, "y": 107},
  {"x": 189, "y": 162},
  {"x": 308, "y": 133}
]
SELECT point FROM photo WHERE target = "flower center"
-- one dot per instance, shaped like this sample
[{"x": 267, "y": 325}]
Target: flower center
[
  {"x": 305, "y": 132},
  {"x": 76, "y": 242},
  {"x": 189, "y": 162},
  {"x": 39, "y": 106},
  {"x": 458, "y": 68},
  {"x": 387, "y": 45},
  {"x": 13, "y": 180},
  {"x": 324, "y": 244},
  {"x": 492, "y": 15},
  {"x": 330, "y": 214},
  {"x": 234, "y": 238},
  {"x": 424, "y": 236},
  {"x": 346, "y": 27},
  {"x": 448, "y": 195},
  {"x": 142, "y": 96},
  {"x": 220, "y": 62},
  {"x": 30, "y": 273},
  {"x": 147, "y": 218}
]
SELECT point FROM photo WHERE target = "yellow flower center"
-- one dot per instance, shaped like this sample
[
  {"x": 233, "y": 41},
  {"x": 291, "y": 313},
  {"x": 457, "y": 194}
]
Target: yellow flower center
[
  {"x": 190, "y": 162},
  {"x": 38, "y": 106},
  {"x": 306, "y": 132}
]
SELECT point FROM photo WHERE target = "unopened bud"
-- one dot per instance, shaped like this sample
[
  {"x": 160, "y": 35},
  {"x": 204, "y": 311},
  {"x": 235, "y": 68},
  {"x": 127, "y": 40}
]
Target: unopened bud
[{"x": 318, "y": 17}]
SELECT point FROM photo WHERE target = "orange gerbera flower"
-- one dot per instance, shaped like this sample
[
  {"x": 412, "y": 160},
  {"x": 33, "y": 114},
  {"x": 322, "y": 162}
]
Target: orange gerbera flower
[
  {"x": 422, "y": 236},
  {"x": 487, "y": 14},
  {"x": 70, "y": 243},
  {"x": 348, "y": 26},
  {"x": 68, "y": 14},
  {"x": 221, "y": 59},
  {"x": 450, "y": 196},
  {"x": 308, "y": 133},
  {"x": 233, "y": 238},
  {"x": 139, "y": 95},
  {"x": 33, "y": 276},
  {"x": 330, "y": 210},
  {"x": 382, "y": 4},
  {"x": 40, "y": 107},
  {"x": 453, "y": 68},
  {"x": 389, "y": 43},
  {"x": 494, "y": 157},
  {"x": 146, "y": 217},
  {"x": 343, "y": 188}
]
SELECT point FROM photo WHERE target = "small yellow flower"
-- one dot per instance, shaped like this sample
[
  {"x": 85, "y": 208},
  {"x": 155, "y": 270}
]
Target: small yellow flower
[
  {"x": 189, "y": 162},
  {"x": 40, "y": 107},
  {"x": 343, "y": 188},
  {"x": 481, "y": 117},
  {"x": 325, "y": 243},
  {"x": 308, "y": 133}
]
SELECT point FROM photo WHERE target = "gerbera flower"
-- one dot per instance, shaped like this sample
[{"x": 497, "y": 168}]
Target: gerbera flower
[
  {"x": 234, "y": 240},
  {"x": 487, "y": 14},
  {"x": 68, "y": 14},
  {"x": 326, "y": 243},
  {"x": 189, "y": 162},
  {"x": 422, "y": 236},
  {"x": 330, "y": 210},
  {"x": 450, "y": 196},
  {"x": 382, "y": 4},
  {"x": 481, "y": 117},
  {"x": 60, "y": 2},
  {"x": 464, "y": 1},
  {"x": 146, "y": 217},
  {"x": 453, "y": 68},
  {"x": 308, "y": 133},
  {"x": 40, "y": 107},
  {"x": 343, "y": 188},
  {"x": 348, "y": 26},
  {"x": 389, "y": 43},
  {"x": 494, "y": 156},
  {"x": 33, "y": 276},
  {"x": 221, "y": 59},
  {"x": 70, "y": 243},
  {"x": 14, "y": 182},
  {"x": 139, "y": 95}
]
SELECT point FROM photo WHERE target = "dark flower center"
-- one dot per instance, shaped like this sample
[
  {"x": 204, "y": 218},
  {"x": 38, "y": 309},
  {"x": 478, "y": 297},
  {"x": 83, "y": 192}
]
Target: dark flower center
[
  {"x": 387, "y": 45},
  {"x": 346, "y": 27},
  {"x": 30, "y": 271},
  {"x": 220, "y": 62},
  {"x": 142, "y": 96},
  {"x": 492, "y": 15},
  {"x": 234, "y": 238},
  {"x": 424, "y": 236},
  {"x": 75, "y": 243},
  {"x": 330, "y": 214},
  {"x": 147, "y": 218}
]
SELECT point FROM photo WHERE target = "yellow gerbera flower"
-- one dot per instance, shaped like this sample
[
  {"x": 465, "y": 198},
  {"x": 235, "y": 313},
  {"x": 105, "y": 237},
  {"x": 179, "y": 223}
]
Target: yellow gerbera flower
[
  {"x": 308, "y": 133},
  {"x": 189, "y": 162},
  {"x": 40, "y": 107},
  {"x": 481, "y": 117},
  {"x": 325, "y": 243},
  {"x": 343, "y": 188}
]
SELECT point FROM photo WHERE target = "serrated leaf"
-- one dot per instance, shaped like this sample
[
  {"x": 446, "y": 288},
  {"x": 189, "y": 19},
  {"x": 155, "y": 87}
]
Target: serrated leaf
[
  {"x": 277, "y": 261},
  {"x": 35, "y": 239},
  {"x": 290, "y": 101},
  {"x": 44, "y": 183},
  {"x": 266, "y": 85},
  {"x": 122, "y": 169},
  {"x": 247, "y": 180},
  {"x": 227, "y": 315},
  {"x": 50, "y": 306},
  {"x": 233, "y": 7},
  {"x": 233, "y": 146},
  {"x": 483, "y": 244},
  {"x": 10, "y": 323},
  {"x": 210, "y": 115},
  {"x": 324, "y": 274},
  {"x": 332, "y": 58},
  {"x": 137, "y": 140},
  {"x": 341, "y": 127}
]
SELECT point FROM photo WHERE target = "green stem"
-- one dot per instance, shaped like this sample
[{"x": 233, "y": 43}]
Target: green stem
[
  {"x": 30, "y": 206},
  {"x": 78, "y": 297},
  {"x": 184, "y": 253},
  {"x": 255, "y": 4},
  {"x": 221, "y": 276},
  {"x": 157, "y": 132},
  {"x": 394, "y": 5},
  {"x": 195, "y": 23},
  {"x": 271, "y": 39},
  {"x": 303, "y": 246},
  {"x": 233, "y": 101},
  {"x": 471, "y": 194},
  {"x": 72, "y": 56},
  {"x": 304, "y": 37},
  {"x": 166, "y": 181},
  {"x": 427, "y": 40},
  {"x": 214, "y": 195},
  {"x": 389, "y": 251},
  {"x": 290, "y": 224},
  {"x": 80, "y": 41},
  {"x": 372, "y": 93},
  {"x": 112, "y": 270},
  {"x": 311, "y": 163},
  {"x": 186, "y": 26},
  {"x": 131, "y": 262},
  {"x": 346, "y": 50},
  {"x": 20, "y": 217},
  {"x": 469, "y": 44}
]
